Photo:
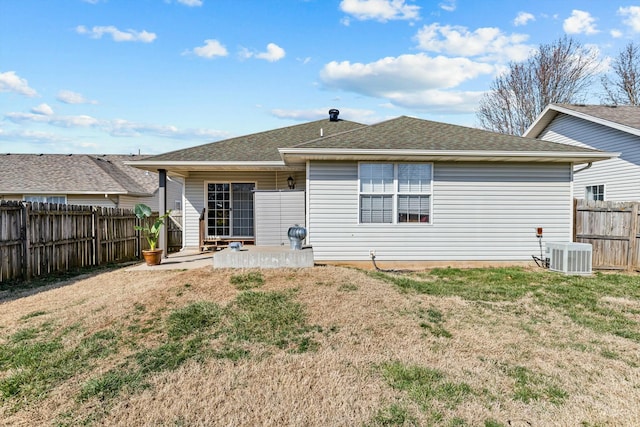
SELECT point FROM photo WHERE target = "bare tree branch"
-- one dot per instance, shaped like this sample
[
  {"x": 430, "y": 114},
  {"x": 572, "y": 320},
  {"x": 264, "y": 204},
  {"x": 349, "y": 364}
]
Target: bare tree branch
[
  {"x": 558, "y": 72},
  {"x": 624, "y": 87}
]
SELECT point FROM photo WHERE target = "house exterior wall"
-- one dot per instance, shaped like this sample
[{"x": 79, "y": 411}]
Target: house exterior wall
[
  {"x": 277, "y": 211},
  {"x": 481, "y": 212},
  {"x": 620, "y": 176},
  {"x": 195, "y": 193}
]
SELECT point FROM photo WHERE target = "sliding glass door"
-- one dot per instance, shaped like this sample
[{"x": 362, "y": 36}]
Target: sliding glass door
[{"x": 230, "y": 210}]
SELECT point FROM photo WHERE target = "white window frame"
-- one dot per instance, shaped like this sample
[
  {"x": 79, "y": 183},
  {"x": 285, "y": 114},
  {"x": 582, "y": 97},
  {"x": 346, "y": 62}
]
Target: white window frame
[
  {"x": 394, "y": 194},
  {"x": 603, "y": 193},
  {"x": 44, "y": 198}
]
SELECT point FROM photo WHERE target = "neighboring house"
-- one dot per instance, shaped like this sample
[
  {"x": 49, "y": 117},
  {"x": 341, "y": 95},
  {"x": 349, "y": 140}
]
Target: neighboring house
[
  {"x": 81, "y": 179},
  {"x": 408, "y": 189},
  {"x": 601, "y": 127}
]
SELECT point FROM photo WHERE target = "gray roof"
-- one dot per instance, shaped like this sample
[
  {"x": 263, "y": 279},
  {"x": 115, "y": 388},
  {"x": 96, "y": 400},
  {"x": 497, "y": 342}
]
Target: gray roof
[
  {"x": 403, "y": 138},
  {"x": 407, "y": 133},
  {"x": 627, "y": 115},
  {"x": 73, "y": 174},
  {"x": 262, "y": 146}
]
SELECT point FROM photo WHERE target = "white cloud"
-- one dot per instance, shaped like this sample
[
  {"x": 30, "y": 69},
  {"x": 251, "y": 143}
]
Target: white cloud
[
  {"x": 448, "y": 5},
  {"x": 632, "y": 17},
  {"x": 116, "y": 127},
  {"x": 11, "y": 82},
  {"x": 42, "y": 109},
  {"x": 191, "y": 3},
  {"x": 616, "y": 34},
  {"x": 580, "y": 22},
  {"x": 380, "y": 10},
  {"x": 211, "y": 49},
  {"x": 116, "y": 34},
  {"x": 81, "y": 121},
  {"x": 273, "y": 53},
  {"x": 69, "y": 97},
  {"x": 31, "y": 136},
  {"x": 484, "y": 43},
  {"x": 523, "y": 18},
  {"x": 408, "y": 80}
]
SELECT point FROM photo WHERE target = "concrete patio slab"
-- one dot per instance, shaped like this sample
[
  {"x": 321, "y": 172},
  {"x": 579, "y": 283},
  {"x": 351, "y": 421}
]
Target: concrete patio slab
[
  {"x": 183, "y": 260},
  {"x": 264, "y": 257}
]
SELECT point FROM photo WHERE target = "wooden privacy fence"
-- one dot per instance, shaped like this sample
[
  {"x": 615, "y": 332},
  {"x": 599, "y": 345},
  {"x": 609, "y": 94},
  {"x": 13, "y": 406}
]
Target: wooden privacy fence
[
  {"x": 39, "y": 238},
  {"x": 612, "y": 229}
]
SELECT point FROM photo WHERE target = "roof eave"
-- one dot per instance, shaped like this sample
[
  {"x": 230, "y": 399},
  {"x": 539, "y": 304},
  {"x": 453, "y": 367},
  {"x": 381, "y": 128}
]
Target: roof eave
[
  {"x": 300, "y": 156},
  {"x": 182, "y": 168}
]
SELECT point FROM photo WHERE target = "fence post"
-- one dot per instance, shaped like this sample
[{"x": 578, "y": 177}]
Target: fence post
[
  {"x": 26, "y": 241},
  {"x": 96, "y": 238},
  {"x": 632, "y": 255}
]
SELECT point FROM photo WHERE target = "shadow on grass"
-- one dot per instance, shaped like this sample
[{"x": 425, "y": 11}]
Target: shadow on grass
[{"x": 16, "y": 289}]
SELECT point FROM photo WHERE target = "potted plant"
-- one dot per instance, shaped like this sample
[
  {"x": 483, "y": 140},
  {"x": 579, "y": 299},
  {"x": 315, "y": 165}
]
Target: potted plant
[{"x": 151, "y": 232}]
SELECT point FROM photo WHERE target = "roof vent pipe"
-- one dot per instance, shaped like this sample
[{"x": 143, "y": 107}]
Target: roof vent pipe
[{"x": 333, "y": 115}]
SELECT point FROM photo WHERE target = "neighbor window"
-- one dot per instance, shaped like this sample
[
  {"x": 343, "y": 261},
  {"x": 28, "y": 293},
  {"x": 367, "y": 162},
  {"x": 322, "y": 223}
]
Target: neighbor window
[
  {"x": 594, "y": 192},
  {"x": 395, "y": 192},
  {"x": 34, "y": 198}
]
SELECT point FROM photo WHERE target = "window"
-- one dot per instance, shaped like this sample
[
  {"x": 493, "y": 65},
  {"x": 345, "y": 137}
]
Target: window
[
  {"x": 594, "y": 192},
  {"x": 401, "y": 191},
  {"x": 33, "y": 198}
]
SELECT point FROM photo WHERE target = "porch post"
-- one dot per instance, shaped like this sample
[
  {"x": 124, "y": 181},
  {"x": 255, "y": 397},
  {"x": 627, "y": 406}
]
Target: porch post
[{"x": 162, "y": 208}]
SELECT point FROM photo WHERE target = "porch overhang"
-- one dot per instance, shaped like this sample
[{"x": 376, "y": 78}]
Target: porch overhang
[
  {"x": 184, "y": 168},
  {"x": 299, "y": 156}
]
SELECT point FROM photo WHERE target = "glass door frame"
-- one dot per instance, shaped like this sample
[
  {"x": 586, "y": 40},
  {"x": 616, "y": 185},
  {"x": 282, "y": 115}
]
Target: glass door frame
[{"x": 228, "y": 209}]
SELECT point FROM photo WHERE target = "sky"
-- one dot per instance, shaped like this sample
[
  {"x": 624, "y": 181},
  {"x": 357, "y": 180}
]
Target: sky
[{"x": 152, "y": 76}]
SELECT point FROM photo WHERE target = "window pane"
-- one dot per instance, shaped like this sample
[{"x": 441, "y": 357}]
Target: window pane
[
  {"x": 413, "y": 209},
  {"x": 414, "y": 178},
  {"x": 594, "y": 192},
  {"x": 376, "y": 209},
  {"x": 376, "y": 177}
]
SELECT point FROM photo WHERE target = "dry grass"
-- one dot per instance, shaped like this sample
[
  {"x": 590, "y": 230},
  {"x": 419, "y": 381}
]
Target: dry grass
[{"x": 515, "y": 362}]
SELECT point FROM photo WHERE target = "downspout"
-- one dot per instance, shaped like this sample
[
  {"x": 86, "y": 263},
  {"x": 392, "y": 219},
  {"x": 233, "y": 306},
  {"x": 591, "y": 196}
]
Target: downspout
[{"x": 584, "y": 168}]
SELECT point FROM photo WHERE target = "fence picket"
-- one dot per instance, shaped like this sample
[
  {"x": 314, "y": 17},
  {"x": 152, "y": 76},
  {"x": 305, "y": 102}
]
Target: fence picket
[{"x": 39, "y": 238}]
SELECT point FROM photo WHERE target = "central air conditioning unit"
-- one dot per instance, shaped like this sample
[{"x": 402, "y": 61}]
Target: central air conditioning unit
[{"x": 570, "y": 257}]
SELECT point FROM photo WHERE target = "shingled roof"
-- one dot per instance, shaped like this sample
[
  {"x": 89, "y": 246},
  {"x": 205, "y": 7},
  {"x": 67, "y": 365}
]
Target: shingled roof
[
  {"x": 408, "y": 133},
  {"x": 262, "y": 146},
  {"x": 73, "y": 174},
  {"x": 625, "y": 118},
  {"x": 402, "y": 138}
]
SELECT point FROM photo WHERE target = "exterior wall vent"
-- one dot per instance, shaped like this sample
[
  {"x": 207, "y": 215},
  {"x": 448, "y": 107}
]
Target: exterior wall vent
[
  {"x": 570, "y": 257},
  {"x": 333, "y": 115}
]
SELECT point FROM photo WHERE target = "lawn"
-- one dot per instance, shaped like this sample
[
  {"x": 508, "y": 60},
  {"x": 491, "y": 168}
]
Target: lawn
[{"x": 327, "y": 346}]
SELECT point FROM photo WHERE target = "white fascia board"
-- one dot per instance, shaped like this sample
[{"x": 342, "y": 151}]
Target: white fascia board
[
  {"x": 298, "y": 155},
  {"x": 186, "y": 166},
  {"x": 541, "y": 122}
]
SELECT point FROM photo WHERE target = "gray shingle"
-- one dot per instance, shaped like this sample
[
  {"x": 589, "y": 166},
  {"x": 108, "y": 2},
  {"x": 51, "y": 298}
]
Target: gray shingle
[
  {"x": 407, "y": 133},
  {"x": 626, "y": 115},
  {"x": 262, "y": 146},
  {"x": 77, "y": 173}
]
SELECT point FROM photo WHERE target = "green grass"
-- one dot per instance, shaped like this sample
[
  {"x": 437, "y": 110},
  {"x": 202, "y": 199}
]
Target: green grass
[
  {"x": 425, "y": 386},
  {"x": 531, "y": 386},
  {"x": 393, "y": 415},
  {"x": 37, "y": 361},
  {"x": 246, "y": 281},
  {"x": 270, "y": 318},
  {"x": 578, "y": 297}
]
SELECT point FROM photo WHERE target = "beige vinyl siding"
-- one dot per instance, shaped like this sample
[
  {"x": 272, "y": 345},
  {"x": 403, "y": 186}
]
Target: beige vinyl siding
[
  {"x": 195, "y": 193},
  {"x": 111, "y": 201},
  {"x": 481, "y": 211},
  {"x": 276, "y": 212},
  {"x": 620, "y": 176}
]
